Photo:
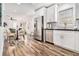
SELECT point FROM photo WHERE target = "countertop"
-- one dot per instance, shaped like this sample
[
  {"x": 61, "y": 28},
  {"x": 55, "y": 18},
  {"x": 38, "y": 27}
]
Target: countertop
[{"x": 63, "y": 29}]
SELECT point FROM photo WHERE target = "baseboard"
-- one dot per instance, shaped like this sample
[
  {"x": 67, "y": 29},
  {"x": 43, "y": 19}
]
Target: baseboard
[
  {"x": 38, "y": 40},
  {"x": 63, "y": 47},
  {"x": 67, "y": 49},
  {"x": 49, "y": 42}
]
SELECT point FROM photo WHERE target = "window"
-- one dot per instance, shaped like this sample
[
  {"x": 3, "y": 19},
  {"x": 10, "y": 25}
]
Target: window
[{"x": 66, "y": 16}]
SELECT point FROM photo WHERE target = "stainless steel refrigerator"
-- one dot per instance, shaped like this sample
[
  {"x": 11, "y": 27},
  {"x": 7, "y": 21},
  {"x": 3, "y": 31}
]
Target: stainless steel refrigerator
[{"x": 38, "y": 28}]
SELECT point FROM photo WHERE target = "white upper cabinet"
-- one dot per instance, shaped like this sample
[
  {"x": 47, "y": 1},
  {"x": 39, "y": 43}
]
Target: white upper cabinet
[
  {"x": 52, "y": 13},
  {"x": 77, "y": 10},
  {"x": 40, "y": 12}
]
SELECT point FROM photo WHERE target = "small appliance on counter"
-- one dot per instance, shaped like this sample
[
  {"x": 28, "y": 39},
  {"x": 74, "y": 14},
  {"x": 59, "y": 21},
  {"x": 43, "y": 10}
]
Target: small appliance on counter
[
  {"x": 77, "y": 24},
  {"x": 51, "y": 25}
]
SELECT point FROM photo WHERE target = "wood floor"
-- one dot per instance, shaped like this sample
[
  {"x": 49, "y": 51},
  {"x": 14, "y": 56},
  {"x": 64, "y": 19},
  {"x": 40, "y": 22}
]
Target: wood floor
[{"x": 36, "y": 48}]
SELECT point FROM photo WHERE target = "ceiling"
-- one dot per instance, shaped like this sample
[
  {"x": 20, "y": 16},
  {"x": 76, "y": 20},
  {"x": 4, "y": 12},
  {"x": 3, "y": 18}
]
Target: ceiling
[{"x": 22, "y": 8}]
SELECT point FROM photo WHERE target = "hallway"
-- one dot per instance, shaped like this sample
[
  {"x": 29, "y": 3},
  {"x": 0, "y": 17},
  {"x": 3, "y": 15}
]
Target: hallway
[{"x": 37, "y": 48}]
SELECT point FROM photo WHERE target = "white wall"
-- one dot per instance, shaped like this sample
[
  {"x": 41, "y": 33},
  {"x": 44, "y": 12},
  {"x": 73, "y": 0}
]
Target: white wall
[
  {"x": 1, "y": 35},
  {"x": 21, "y": 13},
  {"x": 1, "y": 40}
]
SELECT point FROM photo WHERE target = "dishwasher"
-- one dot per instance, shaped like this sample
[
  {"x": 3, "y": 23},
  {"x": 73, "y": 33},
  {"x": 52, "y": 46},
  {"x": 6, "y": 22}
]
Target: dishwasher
[{"x": 49, "y": 36}]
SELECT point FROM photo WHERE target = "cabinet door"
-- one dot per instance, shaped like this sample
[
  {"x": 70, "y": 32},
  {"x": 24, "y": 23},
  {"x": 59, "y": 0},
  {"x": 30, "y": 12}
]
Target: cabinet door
[
  {"x": 64, "y": 39},
  {"x": 51, "y": 14},
  {"x": 68, "y": 40},
  {"x": 49, "y": 36},
  {"x": 57, "y": 38},
  {"x": 77, "y": 41}
]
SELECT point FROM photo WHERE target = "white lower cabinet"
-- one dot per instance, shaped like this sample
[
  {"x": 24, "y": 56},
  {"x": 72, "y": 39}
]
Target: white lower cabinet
[
  {"x": 56, "y": 38},
  {"x": 66, "y": 39},
  {"x": 77, "y": 41}
]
